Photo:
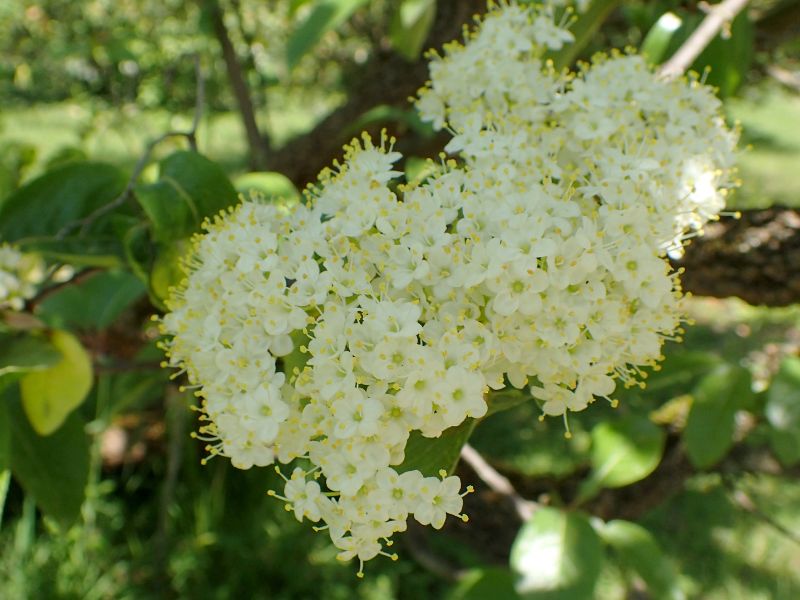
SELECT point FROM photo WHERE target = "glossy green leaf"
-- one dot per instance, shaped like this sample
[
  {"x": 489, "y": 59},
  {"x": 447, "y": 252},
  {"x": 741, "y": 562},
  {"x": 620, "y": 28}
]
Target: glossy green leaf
[
  {"x": 51, "y": 394},
  {"x": 325, "y": 16},
  {"x": 92, "y": 304},
  {"x": 657, "y": 42},
  {"x": 710, "y": 426},
  {"x": 431, "y": 455},
  {"x": 636, "y": 549},
  {"x": 410, "y": 25},
  {"x": 556, "y": 555},
  {"x": 783, "y": 412},
  {"x": 270, "y": 185},
  {"x": 727, "y": 56},
  {"x": 54, "y": 470},
  {"x": 623, "y": 451},
  {"x": 59, "y": 197},
  {"x": 190, "y": 188},
  {"x": 495, "y": 583}
]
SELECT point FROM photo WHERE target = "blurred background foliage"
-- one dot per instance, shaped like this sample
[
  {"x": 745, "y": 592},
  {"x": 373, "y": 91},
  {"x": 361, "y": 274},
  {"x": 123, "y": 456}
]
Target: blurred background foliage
[{"x": 688, "y": 489}]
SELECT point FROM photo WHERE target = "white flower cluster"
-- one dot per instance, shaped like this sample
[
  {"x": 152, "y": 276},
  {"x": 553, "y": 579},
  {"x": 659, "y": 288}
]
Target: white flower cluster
[
  {"x": 19, "y": 275},
  {"x": 539, "y": 260}
]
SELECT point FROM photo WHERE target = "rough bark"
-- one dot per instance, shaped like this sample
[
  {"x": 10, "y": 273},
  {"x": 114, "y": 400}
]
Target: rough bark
[{"x": 756, "y": 258}]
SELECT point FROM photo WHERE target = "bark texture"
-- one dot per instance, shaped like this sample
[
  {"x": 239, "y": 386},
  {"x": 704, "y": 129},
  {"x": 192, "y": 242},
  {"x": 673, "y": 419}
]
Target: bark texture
[{"x": 755, "y": 258}]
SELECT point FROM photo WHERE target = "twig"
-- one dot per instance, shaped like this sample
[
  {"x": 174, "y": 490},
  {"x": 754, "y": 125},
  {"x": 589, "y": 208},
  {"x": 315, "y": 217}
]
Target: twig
[
  {"x": 144, "y": 159},
  {"x": 718, "y": 15},
  {"x": 785, "y": 77},
  {"x": 49, "y": 291},
  {"x": 497, "y": 482}
]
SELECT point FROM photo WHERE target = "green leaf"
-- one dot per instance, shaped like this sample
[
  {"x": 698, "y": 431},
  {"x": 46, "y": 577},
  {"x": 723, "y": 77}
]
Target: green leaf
[
  {"x": 431, "y": 455},
  {"x": 623, "y": 452},
  {"x": 496, "y": 583},
  {"x": 583, "y": 29},
  {"x": 636, "y": 549},
  {"x": 49, "y": 202},
  {"x": 658, "y": 40},
  {"x": 324, "y": 17},
  {"x": 710, "y": 426},
  {"x": 727, "y": 57},
  {"x": 5, "y": 439},
  {"x": 189, "y": 189},
  {"x": 783, "y": 412},
  {"x": 556, "y": 555},
  {"x": 51, "y": 394},
  {"x": 271, "y": 185},
  {"x": 24, "y": 352},
  {"x": 410, "y": 25},
  {"x": 89, "y": 251},
  {"x": 167, "y": 271},
  {"x": 92, "y": 304},
  {"x": 680, "y": 369},
  {"x": 54, "y": 470},
  {"x": 505, "y": 399}
]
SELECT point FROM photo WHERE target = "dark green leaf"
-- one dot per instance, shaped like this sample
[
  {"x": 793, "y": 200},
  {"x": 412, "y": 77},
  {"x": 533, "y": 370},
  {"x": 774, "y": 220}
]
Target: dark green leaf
[
  {"x": 53, "y": 469},
  {"x": 23, "y": 352},
  {"x": 495, "y": 583},
  {"x": 557, "y": 555},
  {"x": 709, "y": 429},
  {"x": 324, "y": 17},
  {"x": 583, "y": 29},
  {"x": 623, "y": 451},
  {"x": 431, "y": 455},
  {"x": 507, "y": 398},
  {"x": 92, "y": 304},
  {"x": 57, "y": 198},
  {"x": 680, "y": 369},
  {"x": 104, "y": 251},
  {"x": 189, "y": 189},
  {"x": 636, "y": 549},
  {"x": 5, "y": 439},
  {"x": 783, "y": 411},
  {"x": 518, "y": 441},
  {"x": 410, "y": 26},
  {"x": 727, "y": 57}
]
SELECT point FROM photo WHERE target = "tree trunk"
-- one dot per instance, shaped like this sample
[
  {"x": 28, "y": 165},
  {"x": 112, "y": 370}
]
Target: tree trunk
[{"x": 257, "y": 143}]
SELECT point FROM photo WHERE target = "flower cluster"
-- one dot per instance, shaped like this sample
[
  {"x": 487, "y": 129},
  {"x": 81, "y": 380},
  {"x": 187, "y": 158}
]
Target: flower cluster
[
  {"x": 19, "y": 275},
  {"x": 332, "y": 330}
]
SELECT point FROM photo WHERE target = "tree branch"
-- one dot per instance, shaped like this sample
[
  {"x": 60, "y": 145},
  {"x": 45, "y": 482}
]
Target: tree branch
[
  {"x": 257, "y": 142},
  {"x": 497, "y": 482},
  {"x": 144, "y": 159},
  {"x": 718, "y": 16}
]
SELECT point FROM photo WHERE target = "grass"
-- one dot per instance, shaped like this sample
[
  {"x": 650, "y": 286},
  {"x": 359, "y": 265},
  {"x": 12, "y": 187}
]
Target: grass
[{"x": 119, "y": 135}]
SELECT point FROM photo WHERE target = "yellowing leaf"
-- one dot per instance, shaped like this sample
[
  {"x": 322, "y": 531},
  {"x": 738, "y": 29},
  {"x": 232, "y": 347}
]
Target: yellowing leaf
[{"x": 50, "y": 395}]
